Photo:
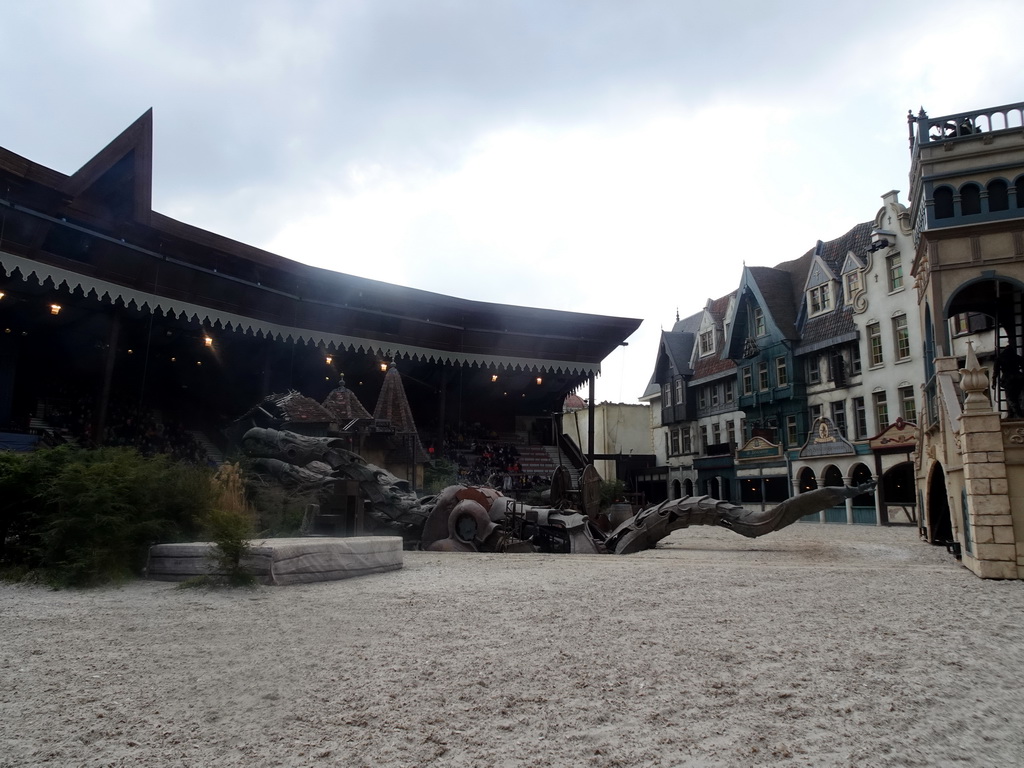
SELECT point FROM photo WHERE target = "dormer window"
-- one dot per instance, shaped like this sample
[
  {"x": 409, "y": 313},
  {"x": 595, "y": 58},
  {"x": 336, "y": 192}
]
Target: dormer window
[
  {"x": 820, "y": 299},
  {"x": 760, "y": 329},
  {"x": 707, "y": 342}
]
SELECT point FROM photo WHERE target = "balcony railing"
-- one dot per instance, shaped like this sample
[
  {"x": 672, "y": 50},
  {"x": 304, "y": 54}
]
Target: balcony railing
[{"x": 930, "y": 130}]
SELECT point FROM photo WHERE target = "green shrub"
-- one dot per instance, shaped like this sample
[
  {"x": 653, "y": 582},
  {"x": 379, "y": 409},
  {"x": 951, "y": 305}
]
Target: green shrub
[
  {"x": 85, "y": 517},
  {"x": 230, "y": 530}
]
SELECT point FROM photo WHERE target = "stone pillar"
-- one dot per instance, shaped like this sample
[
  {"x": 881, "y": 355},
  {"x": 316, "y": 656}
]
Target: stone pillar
[
  {"x": 849, "y": 503},
  {"x": 992, "y": 549}
]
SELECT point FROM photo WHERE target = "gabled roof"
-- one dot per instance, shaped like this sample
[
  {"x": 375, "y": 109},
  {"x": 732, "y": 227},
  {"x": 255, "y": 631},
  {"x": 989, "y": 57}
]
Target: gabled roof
[
  {"x": 774, "y": 289},
  {"x": 836, "y": 326},
  {"x": 296, "y": 408},
  {"x": 771, "y": 288},
  {"x": 833, "y": 255},
  {"x": 715, "y": 364}
]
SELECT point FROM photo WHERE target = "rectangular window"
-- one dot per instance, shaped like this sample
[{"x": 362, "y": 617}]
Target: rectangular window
[
  {"x": 875, "y": 344},
  {"x": 908, "y": 407},
  {"x": 666, "y": 394},
  {"x": 851, "y": 284},
  {"x": 894, "y": 267},
  {"x": 901, "y": 336},
  {"x": 855, "y": 359},
  {"x": 813, "y": 370},
  {"x": 730, "y": 432},
  {"x": 702, "y": 398},
  {"x": 762, "y": 376},
  {"x": 760, "y": 329},
  {"x": 716, "y": 434},
  {"x": 687, "y": 440},
  {"x": 704, "y": 439},
  {"x": 679, "y": 391},
  {"x": 791, "y": 434},
  {"x": 839, "y": 416},
  {"x": 821, "y": 298},
  {"x": 815, "y": 413},
  {"x": 707, "y": 342},
  {"x": 781, "y": 373},
  {"x": 674, "y": 435},
  {"x": 716, "y": 394},
  {"x": 729, "y": 394},
  {"x": 748, "y": 381},
  {"x": 860, "y": 418},
  {"x": 881, "y": 410}
]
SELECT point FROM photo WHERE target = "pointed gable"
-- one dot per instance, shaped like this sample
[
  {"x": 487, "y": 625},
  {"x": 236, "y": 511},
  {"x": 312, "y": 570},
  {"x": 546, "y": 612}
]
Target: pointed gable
[
  {"x": 851, "y": 263},
  {"x": 770, "y": 290},
  {"x": 674, "y": 352},
  {"x": 118, "y": 181}
]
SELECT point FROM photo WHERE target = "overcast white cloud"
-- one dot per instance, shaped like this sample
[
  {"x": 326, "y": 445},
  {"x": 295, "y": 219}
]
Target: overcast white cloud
[{"x": 611, "y": 157}]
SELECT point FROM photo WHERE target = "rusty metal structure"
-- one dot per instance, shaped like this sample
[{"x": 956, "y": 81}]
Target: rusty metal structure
[{"x": 481, "y": 519}]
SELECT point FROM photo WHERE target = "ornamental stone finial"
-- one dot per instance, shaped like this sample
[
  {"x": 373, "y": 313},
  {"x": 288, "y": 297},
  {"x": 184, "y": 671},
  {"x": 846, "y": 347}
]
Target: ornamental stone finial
[{"x": 974, "y": 382}]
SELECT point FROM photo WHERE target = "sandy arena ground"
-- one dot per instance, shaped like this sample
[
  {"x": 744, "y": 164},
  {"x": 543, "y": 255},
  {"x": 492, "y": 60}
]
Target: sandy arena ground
[{"x": 815, "y": 646}]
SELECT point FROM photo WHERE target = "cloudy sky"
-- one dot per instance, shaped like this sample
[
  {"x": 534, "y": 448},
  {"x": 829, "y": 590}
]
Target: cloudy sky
[{"x": 619, "y": 158}]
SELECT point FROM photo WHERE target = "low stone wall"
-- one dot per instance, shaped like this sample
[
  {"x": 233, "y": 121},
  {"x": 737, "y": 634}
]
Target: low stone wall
[{"x": 284, "y": 561}]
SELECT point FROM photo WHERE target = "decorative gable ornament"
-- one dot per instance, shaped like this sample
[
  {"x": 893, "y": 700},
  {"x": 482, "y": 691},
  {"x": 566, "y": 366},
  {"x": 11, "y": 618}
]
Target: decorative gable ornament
[
  {"x": 750, "y": 348},
  {"x": 825, "y": 440},
  {"x": 759, "y": 449},
  {"x": 900, "y": 435}
]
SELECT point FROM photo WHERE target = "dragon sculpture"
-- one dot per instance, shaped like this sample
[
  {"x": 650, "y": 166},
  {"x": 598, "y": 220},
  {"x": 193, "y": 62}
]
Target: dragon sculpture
[{"x": 481, "y": 519}]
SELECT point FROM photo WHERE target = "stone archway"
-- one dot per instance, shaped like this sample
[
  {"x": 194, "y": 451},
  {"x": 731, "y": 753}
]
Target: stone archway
[{"x": 940, "y": 526}]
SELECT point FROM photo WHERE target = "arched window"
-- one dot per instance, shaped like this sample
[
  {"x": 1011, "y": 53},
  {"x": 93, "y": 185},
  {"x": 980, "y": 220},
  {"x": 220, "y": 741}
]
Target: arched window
[
  {"x": 807, "y": 481},
  {"x": 1019, "y": 186},
  {"x": 833, "y": 477},
  {"x": 675, "y": 490},
  {"x": 970, "y": 199},
  {"x": 998, "y": 195},
  {"x": 943, "y": 203},
  {"x": 688, "y": 487},
  {"x": 860, "y": 475}
]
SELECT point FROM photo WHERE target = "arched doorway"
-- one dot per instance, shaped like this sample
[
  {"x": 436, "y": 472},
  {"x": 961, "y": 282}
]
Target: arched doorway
[
  {"x": 940, "y": 527},
  {"x": 688, "y": 487},
  {"x": 676, "y": 490},
  {"x": 898, "y": 493}
]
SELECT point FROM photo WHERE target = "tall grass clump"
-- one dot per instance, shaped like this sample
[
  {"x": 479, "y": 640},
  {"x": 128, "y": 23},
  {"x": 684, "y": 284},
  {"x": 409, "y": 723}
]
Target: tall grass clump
[{"x": 230, "y": 524}]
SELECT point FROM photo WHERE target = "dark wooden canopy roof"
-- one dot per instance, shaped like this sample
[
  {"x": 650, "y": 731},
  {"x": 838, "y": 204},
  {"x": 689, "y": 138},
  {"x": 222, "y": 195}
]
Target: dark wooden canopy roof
[{"x": 95, "y": 231}]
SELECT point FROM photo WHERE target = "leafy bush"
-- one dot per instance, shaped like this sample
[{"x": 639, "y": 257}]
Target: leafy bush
[{"x": 85, "y": 517}]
